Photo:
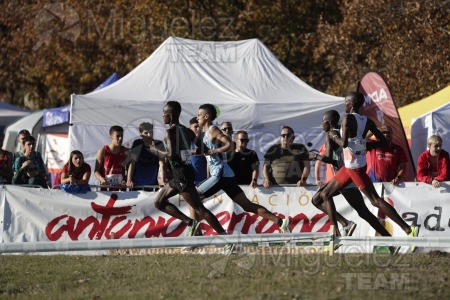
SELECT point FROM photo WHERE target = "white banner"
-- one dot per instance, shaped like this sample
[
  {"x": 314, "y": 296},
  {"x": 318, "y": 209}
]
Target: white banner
[
  {"x": 56, "y": 151},
  {"x": 422, "y": 205},
  {"x": 34, "y": 215}
]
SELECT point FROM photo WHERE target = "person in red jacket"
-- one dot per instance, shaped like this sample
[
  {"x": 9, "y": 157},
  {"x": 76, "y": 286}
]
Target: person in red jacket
[
  {"x": 387, "y": 164},
  {"x": 433, "y": 164}
]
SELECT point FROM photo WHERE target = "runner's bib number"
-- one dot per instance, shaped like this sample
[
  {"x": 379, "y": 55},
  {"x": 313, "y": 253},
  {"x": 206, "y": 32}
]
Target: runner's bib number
[
  {"x": 186, "y": 156},
  {"x": 348, "y": 156}
]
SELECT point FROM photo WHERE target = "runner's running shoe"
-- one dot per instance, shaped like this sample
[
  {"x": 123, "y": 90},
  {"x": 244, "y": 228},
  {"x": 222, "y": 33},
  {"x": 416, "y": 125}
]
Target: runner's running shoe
[
  {"x": 228, "y": 249},
  {"x": 328, "y": 248},
  {"x": 194, "y": 227},
  {"x": 414, "y": 233},
  {"x": 349, "y": 229},
  {"x": 394, "y": 249},
  {"x": 284, "y": 228}
]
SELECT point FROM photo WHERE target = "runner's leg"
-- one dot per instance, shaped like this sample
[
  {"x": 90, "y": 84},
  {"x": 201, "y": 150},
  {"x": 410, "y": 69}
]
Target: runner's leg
[
  {"x": 355, "y": 199},
  {"x": 327, "y": 196},
  {"x": 249, "y": 206},
  {"x": 318, "y": 202},
  {"x": 162, "y": 203},
  {"x": 192, "y": 198},
  {"x": 385, "y": 207}
]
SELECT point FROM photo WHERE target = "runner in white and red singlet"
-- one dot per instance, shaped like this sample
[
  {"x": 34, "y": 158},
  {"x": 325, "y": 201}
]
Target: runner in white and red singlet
[{"x": 354, "y": 129}]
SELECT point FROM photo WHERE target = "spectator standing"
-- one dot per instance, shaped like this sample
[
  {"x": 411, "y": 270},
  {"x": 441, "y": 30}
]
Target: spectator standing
[
  {"x": 6, "y": 162},
  {"x": 110, "y": 160},
  {"x": 227, "y": 129},
  {"x": 433, "y": 165},
  {"x": 387, "y": 164},
  {"x": 286, "y": 163},
  {"x": 199, "y": 163},
  {"x": 145, "y": 167},
  {"x": 245, "y": 162}
]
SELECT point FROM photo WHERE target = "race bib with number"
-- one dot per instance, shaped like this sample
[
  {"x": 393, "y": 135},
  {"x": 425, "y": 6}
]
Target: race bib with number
[
  {"x": 114, "y": 179},
  {"x": 186, "y": 156},
  {"x": 348, "y": 155}
]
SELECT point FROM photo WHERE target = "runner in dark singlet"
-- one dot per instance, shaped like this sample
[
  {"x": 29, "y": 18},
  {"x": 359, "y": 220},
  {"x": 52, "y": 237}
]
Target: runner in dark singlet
[{"x": 179, "y": 139}]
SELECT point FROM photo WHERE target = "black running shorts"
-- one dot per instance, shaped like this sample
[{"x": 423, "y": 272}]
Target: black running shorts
[{"x": 183, "y": 177}]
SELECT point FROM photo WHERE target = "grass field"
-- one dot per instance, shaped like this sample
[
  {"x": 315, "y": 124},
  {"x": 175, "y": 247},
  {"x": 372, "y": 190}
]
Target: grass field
[{"x": 311, "y": 276}]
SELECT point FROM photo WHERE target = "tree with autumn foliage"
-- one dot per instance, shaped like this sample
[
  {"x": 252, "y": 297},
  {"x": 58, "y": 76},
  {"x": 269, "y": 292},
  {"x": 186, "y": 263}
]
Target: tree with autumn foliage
[
  {"x": 406, "y": 41},
  {"x": 52, "y": 50}
]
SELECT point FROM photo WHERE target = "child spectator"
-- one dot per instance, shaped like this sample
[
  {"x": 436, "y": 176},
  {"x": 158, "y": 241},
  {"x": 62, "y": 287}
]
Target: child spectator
[
  {"x": 28, "y": 174},
  {"x": 22, "y": 134},
  {"x": 29, "y": 144},
  {"x": 75, "y": 173},
  {"x": 110, "y": 161}
]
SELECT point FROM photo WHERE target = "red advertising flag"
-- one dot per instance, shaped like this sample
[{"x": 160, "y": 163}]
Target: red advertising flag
[{"x": 380, "y": 107}]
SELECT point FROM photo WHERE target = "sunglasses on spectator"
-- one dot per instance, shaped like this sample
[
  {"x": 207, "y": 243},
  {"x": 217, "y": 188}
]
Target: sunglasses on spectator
[
  {"x": 244, "y": 140},
  {"x": 31, "y": 169},
  {"x": 286, "y": 135},
  {"x": 227, "y": 129}
]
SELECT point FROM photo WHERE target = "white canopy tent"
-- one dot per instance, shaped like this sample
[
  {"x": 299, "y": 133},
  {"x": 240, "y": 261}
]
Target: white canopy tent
[
  {"x": 9, "y": 114},
  {"x": 249, "y": 85},
  {"x": 32, "y": 122},
  {"x": 437, "y": 122},
  {"x": 51, "y": 141}
]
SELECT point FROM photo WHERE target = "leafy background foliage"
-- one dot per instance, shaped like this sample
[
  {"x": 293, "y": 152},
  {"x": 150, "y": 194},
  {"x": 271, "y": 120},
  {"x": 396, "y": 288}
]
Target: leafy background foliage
[{"x": 329, "y": 44}]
